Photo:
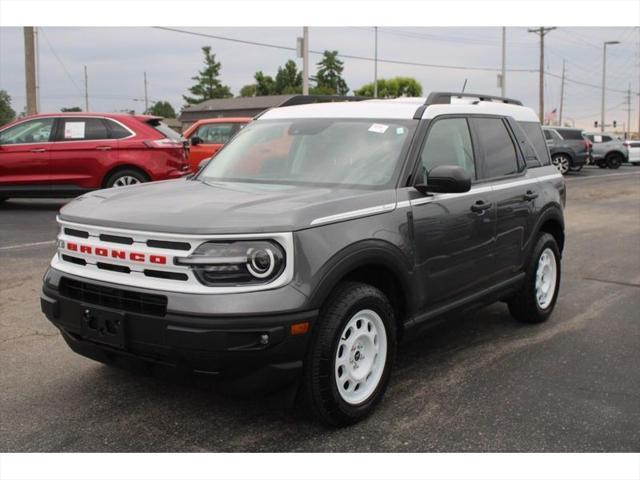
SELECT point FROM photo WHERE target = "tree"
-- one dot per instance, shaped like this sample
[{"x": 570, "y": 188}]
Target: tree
[
  {"x": 329, "y": 76},
  {"x": 207, "y": 85},
  {"x": 162, "y": 109},
  {"x": 288, "y": 79},
  {"x": 7, "y": 114},
  {"x": 248, "y": 90},
  {"x": 392, "y": 88},
  {"x": 265, "y": 84},
  {"x": 70, "y": 109}
]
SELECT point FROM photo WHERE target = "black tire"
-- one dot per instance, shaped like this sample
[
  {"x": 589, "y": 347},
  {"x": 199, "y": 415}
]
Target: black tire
[
  {"x": 523, "y": 305},
  {"x": 602, "y": 164},
  {"x": 576, "y": 168},
  {"x": 614, "y": 161},
  {"x": 320, "y": 388},
  {"x": 125, "y": 173}
]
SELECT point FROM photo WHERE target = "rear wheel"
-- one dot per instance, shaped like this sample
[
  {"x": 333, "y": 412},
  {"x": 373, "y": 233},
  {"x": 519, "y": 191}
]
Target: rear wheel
[
  {"x": 614, "y": 161},
  {"x": 349, "y": 361},
  {"x": 576, "y": 169},
  {"x": 539, "y": 292},
  {"x": 125, "y": 178},
  {"x": 562, "y": 162}
]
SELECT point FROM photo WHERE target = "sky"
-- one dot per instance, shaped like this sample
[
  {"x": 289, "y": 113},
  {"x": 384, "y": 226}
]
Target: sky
[{"x": 116, "y": 59}]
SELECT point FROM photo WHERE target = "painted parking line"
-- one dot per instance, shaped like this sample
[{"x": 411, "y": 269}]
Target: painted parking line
[{"x": 25, "y": 245}]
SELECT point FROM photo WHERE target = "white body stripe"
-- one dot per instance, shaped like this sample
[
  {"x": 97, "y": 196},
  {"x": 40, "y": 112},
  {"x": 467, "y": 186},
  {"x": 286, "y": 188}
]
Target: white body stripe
[{"x": 434, "y": 198}]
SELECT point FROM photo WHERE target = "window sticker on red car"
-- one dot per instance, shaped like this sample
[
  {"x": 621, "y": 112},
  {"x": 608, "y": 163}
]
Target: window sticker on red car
[{"x": 74, "y": 130}]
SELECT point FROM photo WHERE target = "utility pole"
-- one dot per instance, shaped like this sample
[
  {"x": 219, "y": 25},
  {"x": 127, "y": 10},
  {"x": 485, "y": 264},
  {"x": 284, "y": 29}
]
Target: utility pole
[
  {"x": 146, "y": 97},
  {"x": 36, "y": 43},
  {"x": 503, "y": 74},
  {"x": 30, "y": 70},
  {"x": 375, "y": 65},
  {"x": 628, "y": 99},
  {"x": 561, "y": 96},
  {"x": 86, "y": 90},
  {"x": 305, "y": 60},
  {"x": 604, "y": 79},
  {"x": 542, "y": 31}
]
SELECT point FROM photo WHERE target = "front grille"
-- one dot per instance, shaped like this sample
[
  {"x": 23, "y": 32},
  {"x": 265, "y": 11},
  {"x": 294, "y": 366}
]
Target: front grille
[{"x": 135, "y": 302}]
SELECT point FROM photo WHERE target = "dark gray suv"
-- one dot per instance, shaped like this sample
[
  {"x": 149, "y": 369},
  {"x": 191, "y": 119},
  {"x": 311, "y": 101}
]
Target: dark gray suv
[{"x": 316, "y": 241}]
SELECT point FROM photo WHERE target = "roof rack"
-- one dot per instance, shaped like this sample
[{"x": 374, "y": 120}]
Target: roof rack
[{"x": 436, "y": 98}]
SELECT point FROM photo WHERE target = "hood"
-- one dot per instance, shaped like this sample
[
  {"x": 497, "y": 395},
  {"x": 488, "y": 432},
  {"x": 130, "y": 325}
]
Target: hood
[{"x": 187, "y": 206}]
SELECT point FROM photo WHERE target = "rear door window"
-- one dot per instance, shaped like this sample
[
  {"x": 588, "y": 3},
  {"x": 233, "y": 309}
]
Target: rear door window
[
  {"x": 77, "y": 129},
  {"x": 500, "y": 154}
]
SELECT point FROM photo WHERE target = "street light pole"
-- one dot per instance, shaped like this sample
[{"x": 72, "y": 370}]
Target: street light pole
[
  {"x": 503, "y": 75},
  {"x": 305, "y": 60},
  {"x": 542, "y": 31},
  {"x": 604, "y": 79}
]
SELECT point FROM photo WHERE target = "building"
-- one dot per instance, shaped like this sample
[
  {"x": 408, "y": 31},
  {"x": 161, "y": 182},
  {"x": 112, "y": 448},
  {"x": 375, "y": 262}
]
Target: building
[{"x": 250, "y": 106}]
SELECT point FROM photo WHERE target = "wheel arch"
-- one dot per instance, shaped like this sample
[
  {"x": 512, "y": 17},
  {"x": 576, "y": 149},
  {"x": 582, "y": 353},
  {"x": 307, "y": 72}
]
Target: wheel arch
[
  {"x": 551, "y": 221},
  {"x": 374, "y": 262}
]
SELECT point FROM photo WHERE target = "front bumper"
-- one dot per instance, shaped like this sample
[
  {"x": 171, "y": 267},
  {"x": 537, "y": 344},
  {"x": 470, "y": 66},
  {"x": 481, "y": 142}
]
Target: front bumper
[{"x": 254, "y": 352}]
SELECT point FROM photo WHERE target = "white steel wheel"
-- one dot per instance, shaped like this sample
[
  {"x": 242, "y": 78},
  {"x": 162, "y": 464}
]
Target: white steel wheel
[
  {"x": 562, "y": 163},
  {"x": 546, "y": 278},
  {"x": 360, "y": 357},
  {"x": 125, "y": 181}
]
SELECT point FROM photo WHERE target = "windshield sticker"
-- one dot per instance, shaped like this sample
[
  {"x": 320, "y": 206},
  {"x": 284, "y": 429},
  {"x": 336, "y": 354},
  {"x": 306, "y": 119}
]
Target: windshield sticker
[
  {"x": 74, "y": 130},
  {"x": 378, "y": 128}
]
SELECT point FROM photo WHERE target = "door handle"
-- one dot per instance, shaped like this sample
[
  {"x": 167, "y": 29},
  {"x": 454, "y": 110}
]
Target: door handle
[
  {"x": 103, "y": 148},
  {"x": 39, "y": 150},
  {"x": 530, "y": 195},
  {"x": 480, "y": 206}
]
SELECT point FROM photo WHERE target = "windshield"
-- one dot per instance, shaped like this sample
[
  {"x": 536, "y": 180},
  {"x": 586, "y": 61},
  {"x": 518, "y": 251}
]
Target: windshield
[{"x": 354, "y": 152}]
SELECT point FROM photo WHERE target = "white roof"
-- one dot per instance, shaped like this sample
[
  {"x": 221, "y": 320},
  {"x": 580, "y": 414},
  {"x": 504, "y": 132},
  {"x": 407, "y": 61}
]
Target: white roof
[{"x": 399, "y": 108}]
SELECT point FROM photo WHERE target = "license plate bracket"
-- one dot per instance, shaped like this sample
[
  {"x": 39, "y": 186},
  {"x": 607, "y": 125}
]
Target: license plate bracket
[{"x": 103, "y": 326}]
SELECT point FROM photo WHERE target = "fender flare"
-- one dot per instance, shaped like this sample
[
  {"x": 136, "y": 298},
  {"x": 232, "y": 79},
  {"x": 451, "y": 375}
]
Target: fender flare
[
  {"x": 566, "y": 151},
  {"x": 551, "y": 212},
  {"x": 371, "y": 252}
]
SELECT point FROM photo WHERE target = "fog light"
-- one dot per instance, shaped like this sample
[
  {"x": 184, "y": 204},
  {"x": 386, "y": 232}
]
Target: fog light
[{"x": 264, "y": 339}]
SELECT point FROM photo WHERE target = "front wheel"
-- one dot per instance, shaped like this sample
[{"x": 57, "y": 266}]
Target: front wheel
[
  {"x": 576, "y": 168},
  {"x": 562, "y": 162},
  {"x": 349, "y": 361},
  {"x": 539, "y": 292}
]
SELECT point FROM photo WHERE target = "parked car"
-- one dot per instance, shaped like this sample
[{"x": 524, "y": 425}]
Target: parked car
[
  {"x": 208, "y": 136},
  {"x": 608, "y": 151},
  {"x": 633, "y": 151},
  {"x": 372, "y": 221},
  {"x": 568, "y": 147},
  {"x": 66, "y": 154}
]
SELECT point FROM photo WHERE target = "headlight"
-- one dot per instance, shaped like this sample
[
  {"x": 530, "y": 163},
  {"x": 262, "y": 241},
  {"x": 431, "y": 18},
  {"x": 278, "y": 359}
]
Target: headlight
[{"x": 236, "y": 263}]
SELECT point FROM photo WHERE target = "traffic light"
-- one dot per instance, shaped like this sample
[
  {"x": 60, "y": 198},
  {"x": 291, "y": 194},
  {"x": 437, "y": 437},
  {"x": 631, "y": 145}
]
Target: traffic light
[
  {"x": 595, "y": 124},
  {"x": 614, "y": 124}
]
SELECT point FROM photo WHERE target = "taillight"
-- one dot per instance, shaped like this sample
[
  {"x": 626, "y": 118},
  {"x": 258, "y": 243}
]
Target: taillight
[{"x": 163, "y": 143}]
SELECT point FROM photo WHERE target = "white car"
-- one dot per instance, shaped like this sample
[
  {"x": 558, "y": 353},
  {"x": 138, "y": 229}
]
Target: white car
[{"x": 633, "y": 151}]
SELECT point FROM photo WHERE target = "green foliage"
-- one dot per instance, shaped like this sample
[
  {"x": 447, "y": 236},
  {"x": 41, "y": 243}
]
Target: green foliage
[
  {"x": 162, "y": 109},
  {"x": 248, "y": 90},
  {"x": 7, "y": 114},
  {"x": 288, "y": 81},
  {"x": 70, "y": 109},
  {"x": 207, "y": 85},
  {"x": 392, "y": 88},
  {"x": 329, "y": 77}
]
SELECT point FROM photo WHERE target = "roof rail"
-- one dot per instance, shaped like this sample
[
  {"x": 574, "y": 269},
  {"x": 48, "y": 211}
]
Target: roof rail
[{"x": 436, "y": 98}]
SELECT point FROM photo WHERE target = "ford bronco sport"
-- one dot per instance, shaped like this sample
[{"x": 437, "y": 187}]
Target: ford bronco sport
[{"x": 310, "y": 265}]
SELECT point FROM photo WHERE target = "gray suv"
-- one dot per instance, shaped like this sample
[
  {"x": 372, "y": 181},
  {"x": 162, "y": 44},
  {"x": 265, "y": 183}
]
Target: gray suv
[
  {"x": 569, "y": 148},
  {"x": 315, "y": 242},
  {"x": 607, "y": 151}
]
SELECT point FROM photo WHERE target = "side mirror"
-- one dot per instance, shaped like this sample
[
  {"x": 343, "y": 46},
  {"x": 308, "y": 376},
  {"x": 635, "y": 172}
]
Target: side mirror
[
  {"x": 203, "y": 163},
  {"x": 446, "y": 179},
  {"x": 196, "y": 141}
]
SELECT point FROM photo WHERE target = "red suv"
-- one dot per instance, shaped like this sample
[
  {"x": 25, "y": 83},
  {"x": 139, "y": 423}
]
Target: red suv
[{"x": 61, "y": 155}]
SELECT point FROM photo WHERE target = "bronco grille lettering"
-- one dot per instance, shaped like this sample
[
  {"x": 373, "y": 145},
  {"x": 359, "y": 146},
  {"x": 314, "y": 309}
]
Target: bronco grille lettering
[{"x": 119, "y": 254}]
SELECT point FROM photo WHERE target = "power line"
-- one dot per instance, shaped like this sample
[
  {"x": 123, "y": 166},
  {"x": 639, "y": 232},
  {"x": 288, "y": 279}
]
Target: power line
[{"x": 64, "y": 67}]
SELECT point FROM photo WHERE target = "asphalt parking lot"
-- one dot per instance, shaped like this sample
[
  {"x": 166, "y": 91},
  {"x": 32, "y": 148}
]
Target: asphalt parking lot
[{"x": 479, "y": 383}]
